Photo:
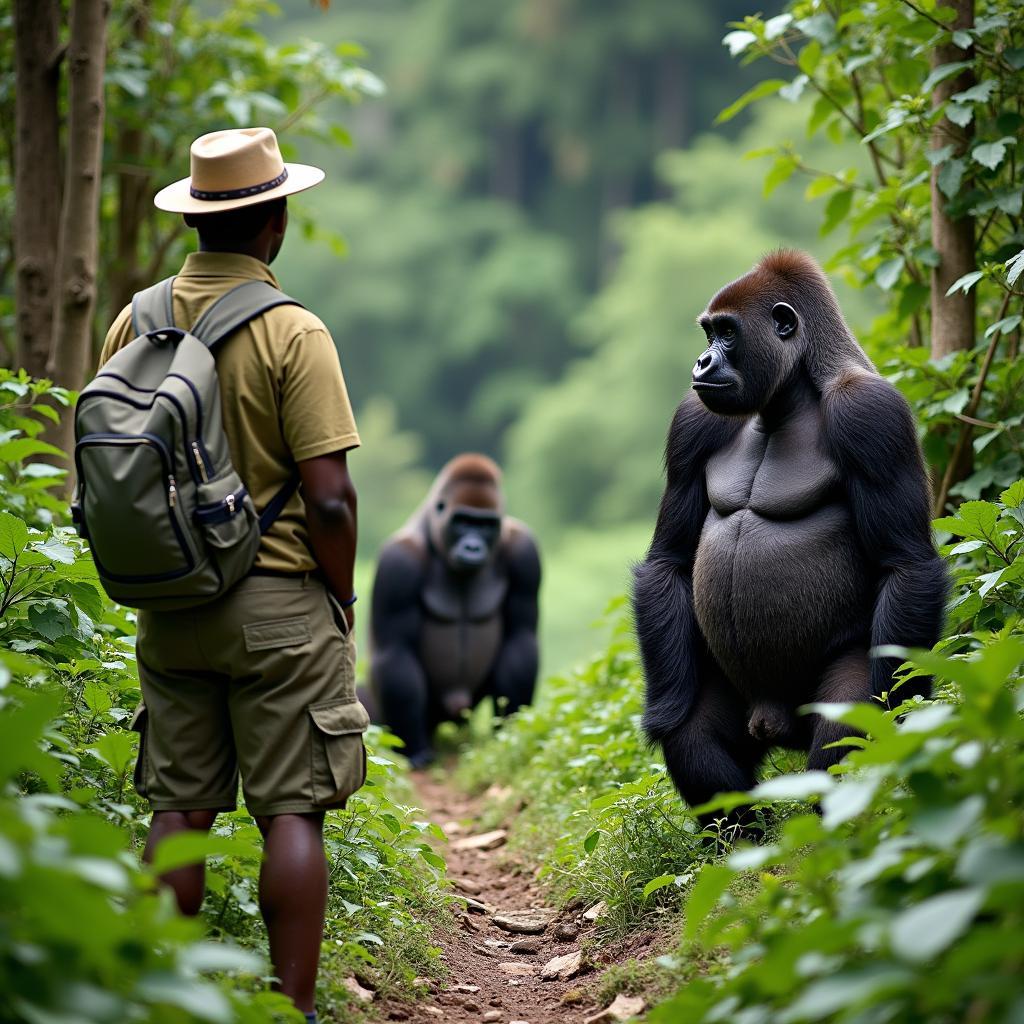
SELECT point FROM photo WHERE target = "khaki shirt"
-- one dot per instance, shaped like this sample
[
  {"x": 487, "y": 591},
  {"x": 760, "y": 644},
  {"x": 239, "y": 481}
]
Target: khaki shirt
[{"x": 283, "y": 396}]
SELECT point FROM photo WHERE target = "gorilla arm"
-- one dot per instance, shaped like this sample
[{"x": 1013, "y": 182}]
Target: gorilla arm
[
  {"x": 515, "y": 668},
  {"x": 663, "y": 582},
  {"x": 397, "y": 676},
  {"x": 871, "y": 431}
]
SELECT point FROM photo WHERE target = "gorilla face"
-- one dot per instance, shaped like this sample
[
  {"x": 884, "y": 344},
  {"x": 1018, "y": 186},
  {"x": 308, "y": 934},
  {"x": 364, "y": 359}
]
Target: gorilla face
[
  {"x": 470, "y": 537},
  {"x": 748, "y": 356}
]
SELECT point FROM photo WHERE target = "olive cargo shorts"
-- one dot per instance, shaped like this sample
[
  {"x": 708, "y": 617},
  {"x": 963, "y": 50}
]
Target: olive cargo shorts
[{"x": 261, "y": 682}]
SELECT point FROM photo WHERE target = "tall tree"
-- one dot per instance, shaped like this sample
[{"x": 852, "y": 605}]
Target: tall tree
[
  {"x": 71, "y": 352},
  {"x": 37, "y": 169},
  {"x": 953, "y": 316}
]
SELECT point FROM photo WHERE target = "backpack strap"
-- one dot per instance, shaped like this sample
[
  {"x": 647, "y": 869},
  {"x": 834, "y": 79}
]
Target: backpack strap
[
  {"x": 236, "y": 308},
  {"x": 153, "y": 307},
  {"x": 277, "y": 503}
]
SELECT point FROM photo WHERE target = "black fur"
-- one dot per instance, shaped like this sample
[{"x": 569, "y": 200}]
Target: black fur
[{"x": 804, "y": 543}]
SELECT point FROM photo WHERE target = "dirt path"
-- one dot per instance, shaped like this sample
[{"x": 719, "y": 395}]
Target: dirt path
[{"x": 497, "y": 975}]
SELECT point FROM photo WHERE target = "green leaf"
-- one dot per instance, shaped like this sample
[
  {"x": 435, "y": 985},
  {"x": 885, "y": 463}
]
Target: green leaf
[
  {"x": 850, "y": 798},
  {"x": 836, "y": 210},
  {"x": 116, "y": 750},
  {"x": 797, "y": 786},
  {"x": 950, "y": 176},
  {"x": 1014, "y": 268},
  {"x": 959, "y": 114},
  {"x": 658, "y": 883},
  {"x": 13, "y": 536},
  {"x": 739, "y": 41},
  {"x": 184, "y": 848},
  {"x": 714, "y": 880},
  {"x": 1013, "y": 496},
  {"x": 966, "y": 283},
  {"x": 944, "y": 71},
  {"x": 828, "y": 996},
  {"x": 923, "y": 931},
  {"x": 591, "y": 841},
  {"x": 759, "y": 91},
  {"x": 979, "y": 93},
  {"x": 991, "y": 154},
  {"x": 888, "y": 273},
  {"x": 22, "y": 447},
  {"x": 782, "y": 170},
  {"x": 1004, "y": 326},
  {"x": 809, "y": 57}
]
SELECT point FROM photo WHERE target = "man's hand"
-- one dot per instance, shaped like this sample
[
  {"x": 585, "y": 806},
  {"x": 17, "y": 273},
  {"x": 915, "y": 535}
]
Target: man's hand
[{"x": 330, "y": 499}]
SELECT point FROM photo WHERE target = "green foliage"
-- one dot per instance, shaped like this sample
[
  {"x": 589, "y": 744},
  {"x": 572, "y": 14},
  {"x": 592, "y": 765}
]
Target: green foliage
[
  {"x": 71, "y": 826},
  {"x": 902, "y": 901},
  {"x": 867, "y": 68}
]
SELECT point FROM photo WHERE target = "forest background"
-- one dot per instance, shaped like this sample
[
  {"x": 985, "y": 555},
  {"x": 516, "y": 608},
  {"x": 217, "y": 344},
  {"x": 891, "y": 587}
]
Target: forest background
[{"x": 511, "y": 258}]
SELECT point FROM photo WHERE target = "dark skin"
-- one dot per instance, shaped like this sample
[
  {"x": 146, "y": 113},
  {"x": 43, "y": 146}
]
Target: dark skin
[{"x": 293, "y": 876}]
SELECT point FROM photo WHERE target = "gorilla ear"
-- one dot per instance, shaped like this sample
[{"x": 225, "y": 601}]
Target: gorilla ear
[{"x": 785, "y": 319}]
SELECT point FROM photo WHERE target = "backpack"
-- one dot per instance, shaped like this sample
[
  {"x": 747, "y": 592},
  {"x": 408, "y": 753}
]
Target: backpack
[{"x": 168, "y": 518}]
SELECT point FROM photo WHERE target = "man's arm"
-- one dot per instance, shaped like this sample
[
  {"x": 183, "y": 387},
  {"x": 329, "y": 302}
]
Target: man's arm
[{"x": 330, "y": 498}]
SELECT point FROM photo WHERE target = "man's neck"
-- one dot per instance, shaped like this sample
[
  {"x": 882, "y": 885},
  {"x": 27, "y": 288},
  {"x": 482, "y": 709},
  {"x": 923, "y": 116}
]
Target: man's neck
[{"x": 257, "y": 252}]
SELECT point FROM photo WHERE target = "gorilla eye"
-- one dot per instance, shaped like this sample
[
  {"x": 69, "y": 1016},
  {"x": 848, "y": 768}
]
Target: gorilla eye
[{"x": 440, "y": 506}]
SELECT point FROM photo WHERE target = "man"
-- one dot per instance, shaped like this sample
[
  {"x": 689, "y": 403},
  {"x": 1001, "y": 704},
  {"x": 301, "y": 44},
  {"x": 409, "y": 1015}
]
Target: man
[{"x": 242, "y": 685}]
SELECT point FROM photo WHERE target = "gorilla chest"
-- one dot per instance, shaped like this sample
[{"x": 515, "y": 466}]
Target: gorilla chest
[
  {"x": 779, "y": 578},
  {"x": 462, "y": 625},
  {"x": 782, "y": 474}
]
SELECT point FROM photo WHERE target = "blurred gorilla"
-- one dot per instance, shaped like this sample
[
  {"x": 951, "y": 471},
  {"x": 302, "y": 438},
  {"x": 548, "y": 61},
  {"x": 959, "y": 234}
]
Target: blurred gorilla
[
  {"x": 794, "y": 535},
  {"x": 454, "y": 614}
]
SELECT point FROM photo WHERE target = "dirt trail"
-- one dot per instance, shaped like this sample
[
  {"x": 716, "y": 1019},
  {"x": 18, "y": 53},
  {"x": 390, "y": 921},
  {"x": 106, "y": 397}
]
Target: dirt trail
[{"x": 496, "y": 975}]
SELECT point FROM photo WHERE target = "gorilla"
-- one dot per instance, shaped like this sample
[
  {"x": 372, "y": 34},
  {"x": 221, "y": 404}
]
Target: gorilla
[
  {"x": 793, "y": 536},
  {"x": 454, "y": 615}
]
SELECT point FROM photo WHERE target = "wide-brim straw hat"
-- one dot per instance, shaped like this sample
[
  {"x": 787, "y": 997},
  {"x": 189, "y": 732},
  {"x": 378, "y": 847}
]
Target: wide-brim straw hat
[{"x": 233, "y": 168}]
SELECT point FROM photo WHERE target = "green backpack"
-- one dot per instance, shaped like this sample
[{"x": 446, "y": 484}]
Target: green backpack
[{"x": 168, "y": 519}]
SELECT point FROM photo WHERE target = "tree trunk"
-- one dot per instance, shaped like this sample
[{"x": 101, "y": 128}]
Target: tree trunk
[
  {"x": 133, "y": 194},
  {"x": 79, "y": 226},
  {"x": 953, "y": 316},
  {"x": 36, "y": 176}
]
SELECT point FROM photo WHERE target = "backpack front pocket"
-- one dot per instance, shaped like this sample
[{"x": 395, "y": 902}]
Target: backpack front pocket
[
  {"x": 225, "y": 513},
  {"x": 122, "y": 476},
  {"x": 337, "y": 751}
]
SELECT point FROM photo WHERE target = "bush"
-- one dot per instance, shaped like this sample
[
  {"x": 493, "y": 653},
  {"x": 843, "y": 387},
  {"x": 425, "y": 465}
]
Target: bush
[{"x": 86, "y": 935}]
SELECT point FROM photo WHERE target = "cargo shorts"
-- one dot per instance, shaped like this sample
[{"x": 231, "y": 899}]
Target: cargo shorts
[{"x": 260, "y": 683}]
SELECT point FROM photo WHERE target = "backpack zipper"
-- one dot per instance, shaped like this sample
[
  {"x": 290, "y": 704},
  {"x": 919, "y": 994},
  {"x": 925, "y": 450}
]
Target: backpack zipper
[{"x": 200, "y": 462}]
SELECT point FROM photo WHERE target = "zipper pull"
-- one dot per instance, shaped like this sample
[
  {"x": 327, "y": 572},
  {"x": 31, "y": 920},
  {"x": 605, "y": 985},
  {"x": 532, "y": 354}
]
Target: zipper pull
[
  {"x": 230, "y": 501},
  {"x": 198, "y": 456},
  {"x": 172, "y": 491}
]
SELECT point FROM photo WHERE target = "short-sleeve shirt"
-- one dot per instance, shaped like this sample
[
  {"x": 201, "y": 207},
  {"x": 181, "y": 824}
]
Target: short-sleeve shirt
[{"x": 283, "y": 396}]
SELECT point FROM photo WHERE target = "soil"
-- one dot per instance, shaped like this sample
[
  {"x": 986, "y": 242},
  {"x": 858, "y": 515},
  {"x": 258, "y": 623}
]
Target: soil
[{"x": 478, "y": 955}]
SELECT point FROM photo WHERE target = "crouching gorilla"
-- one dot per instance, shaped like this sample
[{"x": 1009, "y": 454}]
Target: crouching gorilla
[
  {"x": 454, "y": 608},
  {"x": 794, "y": 535}
]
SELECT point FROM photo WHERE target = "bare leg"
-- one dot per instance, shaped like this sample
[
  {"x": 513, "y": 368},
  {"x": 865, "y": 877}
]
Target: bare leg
[
  {"x": 846, "y": 680},
  {"x": 188, "y": 882},
  {"x": 293, "y": 900}
]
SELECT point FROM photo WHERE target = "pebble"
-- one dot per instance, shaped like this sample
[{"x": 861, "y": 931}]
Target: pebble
[
  {"x": 563, "y": 967},
  {"x": 398, "y": 1014},
  {"x": 518, "y": 968},
  {"x": 483, "y": 841},
  {"x": 526, "y": 946},
  {"x": 621, "y": 1009},
  {"x": 596, "y": 911},
  {"x": 566, "y": 931},
  {"x": 470, "y": 1006},
  {"x": 492, "y": 1015},
  {"x": 434, "y": 1011},
  {"x": 469, "y": 990},
  {"x": 468, "y": 885},
  {"x": 475, "y": 906},
  {"x": 574, "y": 997},
  {"x": 364, "y": 995},
  {"x": 523, "y": 922}
]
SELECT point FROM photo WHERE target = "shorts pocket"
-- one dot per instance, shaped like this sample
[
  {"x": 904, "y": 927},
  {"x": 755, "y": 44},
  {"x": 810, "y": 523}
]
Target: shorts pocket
[
  {"x": 337, "y": 614},
  {"x": 338, "y": 756},
  {"x": 140, "y": 724},
  {"x": 264, "y": 636}
]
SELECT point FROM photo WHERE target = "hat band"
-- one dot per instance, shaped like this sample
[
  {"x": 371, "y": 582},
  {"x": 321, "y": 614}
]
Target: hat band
[{"x": 239, "y": 193}]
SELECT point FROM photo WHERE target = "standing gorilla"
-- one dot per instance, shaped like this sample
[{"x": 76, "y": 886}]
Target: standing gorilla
[
  {"x": 454, "y": 608},
  {"x": 794, "y": 535}
]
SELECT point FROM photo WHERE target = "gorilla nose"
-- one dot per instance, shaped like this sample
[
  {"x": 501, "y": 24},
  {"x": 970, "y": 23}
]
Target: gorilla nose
[{"x": 706, "y": 365}]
